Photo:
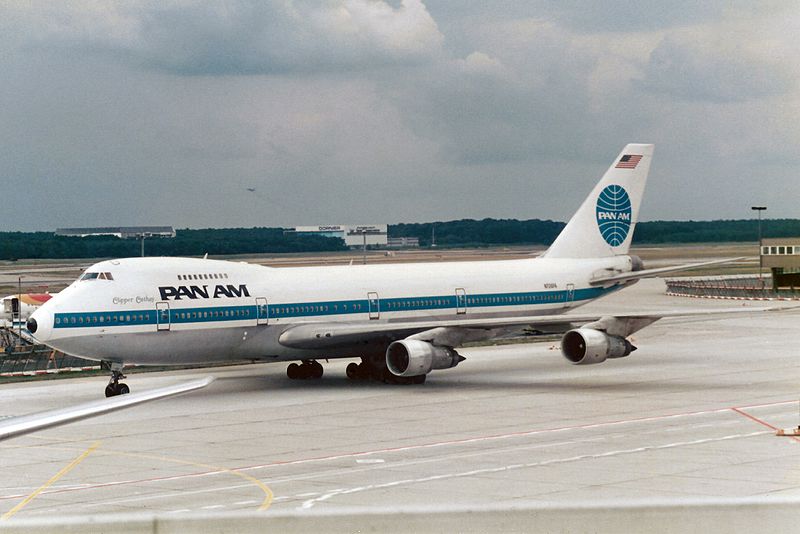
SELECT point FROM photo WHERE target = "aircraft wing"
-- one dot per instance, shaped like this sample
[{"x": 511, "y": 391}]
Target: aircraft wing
[
  {"x": 457, "y": 331},
  {"x": 17, "y": 426},
  {"x": 649, "y": 273}
]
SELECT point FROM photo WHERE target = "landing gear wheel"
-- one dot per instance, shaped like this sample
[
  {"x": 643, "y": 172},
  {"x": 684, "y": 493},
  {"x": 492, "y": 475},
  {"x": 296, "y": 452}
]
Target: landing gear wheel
[
  {"x": 316, "y": 370},
  {"x": 308, "y": 369},
  {"x": 293, "y": 371},
  {"x": 352, "y": 371},
  {"x": 115, "y": 387}
]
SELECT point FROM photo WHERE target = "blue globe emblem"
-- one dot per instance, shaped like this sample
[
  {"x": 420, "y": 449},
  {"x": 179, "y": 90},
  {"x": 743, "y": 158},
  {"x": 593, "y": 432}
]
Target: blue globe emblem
[{"x": 614, "y": 214}]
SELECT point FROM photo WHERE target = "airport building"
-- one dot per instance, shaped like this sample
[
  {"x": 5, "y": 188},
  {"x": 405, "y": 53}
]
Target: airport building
[
  {"x": 353, "y": 235},
  {"x": 123, "y": 232},
  {"x": 403, "y": 242},
  {"x": 782, "y": 256}
]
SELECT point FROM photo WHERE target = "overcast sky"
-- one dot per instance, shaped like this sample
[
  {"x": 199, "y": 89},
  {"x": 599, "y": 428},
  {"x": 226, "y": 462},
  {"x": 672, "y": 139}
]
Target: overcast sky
[{"x": 372, "y": 111}]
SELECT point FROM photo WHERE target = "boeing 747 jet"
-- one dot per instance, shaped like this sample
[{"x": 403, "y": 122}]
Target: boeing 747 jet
[{"x": 401, "y": 321}]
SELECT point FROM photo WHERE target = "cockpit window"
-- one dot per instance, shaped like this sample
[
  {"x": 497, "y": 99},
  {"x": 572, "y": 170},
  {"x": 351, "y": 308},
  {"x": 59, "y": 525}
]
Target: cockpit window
[{"x": 96, "y": 276}]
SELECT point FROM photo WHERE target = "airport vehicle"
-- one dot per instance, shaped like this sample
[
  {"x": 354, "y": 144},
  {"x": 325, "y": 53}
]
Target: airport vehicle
[
  {"x": 18, "y": 426},
  {"x": 403, "y": 321}
]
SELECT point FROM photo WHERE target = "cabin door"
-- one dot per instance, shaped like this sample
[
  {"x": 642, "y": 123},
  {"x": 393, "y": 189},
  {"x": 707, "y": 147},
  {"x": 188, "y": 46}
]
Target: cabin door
[
  {"x": 461, "y": 301},
  {"x": 374, "y": 305},
  {"x": 262, "y": 311},
  {"x": 162, "y": 315},
  {"x": 570, "y": 294}
]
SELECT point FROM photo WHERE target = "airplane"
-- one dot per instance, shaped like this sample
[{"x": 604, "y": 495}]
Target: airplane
[
  {"x": 17, "y": 426},
  {"x": 20, "y": 306},
  {"x": 401, "y": 320}
]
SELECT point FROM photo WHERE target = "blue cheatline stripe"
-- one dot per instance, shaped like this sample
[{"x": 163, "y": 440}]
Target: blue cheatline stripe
[{"x": 318, "y": 309}]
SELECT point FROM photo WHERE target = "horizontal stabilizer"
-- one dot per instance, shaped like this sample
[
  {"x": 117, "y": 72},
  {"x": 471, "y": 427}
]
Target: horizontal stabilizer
[{"x": 650, "y": 273}]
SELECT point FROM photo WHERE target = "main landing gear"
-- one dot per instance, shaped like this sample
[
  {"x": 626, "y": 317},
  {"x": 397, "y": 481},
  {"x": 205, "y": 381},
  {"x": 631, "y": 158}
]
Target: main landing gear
[
  {"x": 307, "y": 369},
  {"x": 367, "y": 370},
  {"x": 115, "y": 387}
]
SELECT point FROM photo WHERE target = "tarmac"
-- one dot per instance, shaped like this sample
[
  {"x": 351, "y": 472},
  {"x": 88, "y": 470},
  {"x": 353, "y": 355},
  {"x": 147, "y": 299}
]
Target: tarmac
[{"x": 691, "y": 415}]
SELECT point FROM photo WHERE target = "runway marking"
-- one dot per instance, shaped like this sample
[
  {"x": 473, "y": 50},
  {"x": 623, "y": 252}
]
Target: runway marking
[
  {"x": 270, "y": 497},
  {"x": 333, "y": 493},
  {"x": 479, "y": 439},
  {"x": 761, "y": 422},
  {"x": 213, "y": 470},
  {"x": 69, "y": 467}
]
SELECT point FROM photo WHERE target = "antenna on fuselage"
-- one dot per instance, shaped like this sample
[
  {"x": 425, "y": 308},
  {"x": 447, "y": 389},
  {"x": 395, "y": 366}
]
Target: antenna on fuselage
[{"x": 205, "y": 256}]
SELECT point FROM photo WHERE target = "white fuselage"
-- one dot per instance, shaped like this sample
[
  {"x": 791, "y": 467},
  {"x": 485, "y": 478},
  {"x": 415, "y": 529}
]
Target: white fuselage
[{"x": 183, "y": 310}]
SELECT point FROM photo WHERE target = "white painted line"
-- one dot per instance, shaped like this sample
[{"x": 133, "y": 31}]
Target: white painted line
[
  {"x": 333, "y": 493},
  {"x": 370, "y": 461}
]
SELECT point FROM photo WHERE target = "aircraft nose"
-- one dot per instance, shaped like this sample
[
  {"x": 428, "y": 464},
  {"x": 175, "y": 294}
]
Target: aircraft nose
[{"x": 40, "y": 325}]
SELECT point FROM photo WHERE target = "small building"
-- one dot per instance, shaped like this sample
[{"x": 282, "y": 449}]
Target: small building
[
  {"x": 403, "y": 242},
  {"x": 353, "y": 235},
  {"x": 122, "y": 232},
  {"x": 782, "y": 256}
]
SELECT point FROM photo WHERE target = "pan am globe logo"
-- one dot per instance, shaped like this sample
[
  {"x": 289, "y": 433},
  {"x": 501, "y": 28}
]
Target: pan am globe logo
[{"x": 614, "y": 214}]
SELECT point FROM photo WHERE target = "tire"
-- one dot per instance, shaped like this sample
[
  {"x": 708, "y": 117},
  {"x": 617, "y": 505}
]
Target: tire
[
  {"x": 293, "y": 371},
  {"x": 123, "y": 389},
  {"x": 111, "y": 391},
  {"x": 352, "y": 371},
  {"x": 316, "y": 370}
]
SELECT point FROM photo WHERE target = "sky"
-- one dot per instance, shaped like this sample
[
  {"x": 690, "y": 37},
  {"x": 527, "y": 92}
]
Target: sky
[{"x": 294, "y": 112}]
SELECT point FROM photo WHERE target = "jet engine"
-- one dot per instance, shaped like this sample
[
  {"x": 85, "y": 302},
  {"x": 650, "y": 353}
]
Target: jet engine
[
  {"x": 414, "y": 357},
  {"x": 584, "y": 346}
]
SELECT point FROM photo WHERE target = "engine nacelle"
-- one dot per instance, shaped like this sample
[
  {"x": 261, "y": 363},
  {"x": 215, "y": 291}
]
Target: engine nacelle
[
  {"x": 584, "y": 346},
  {"x": 414, "y": 357}
]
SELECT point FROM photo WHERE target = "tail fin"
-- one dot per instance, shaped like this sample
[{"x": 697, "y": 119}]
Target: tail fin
[{"x": 603, "y": 225}]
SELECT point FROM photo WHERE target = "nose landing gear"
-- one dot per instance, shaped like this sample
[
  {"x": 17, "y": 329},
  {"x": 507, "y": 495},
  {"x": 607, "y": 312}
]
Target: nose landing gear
[{"x": 115, "y": 387}]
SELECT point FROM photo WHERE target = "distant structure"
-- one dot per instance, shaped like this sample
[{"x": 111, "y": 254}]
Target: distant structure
[
  {"x": 123, "y": 232},
  {"x": 402, "y": 242},
  {"x": 782, "y": 256},
  {"x": 353, "y": 235}
]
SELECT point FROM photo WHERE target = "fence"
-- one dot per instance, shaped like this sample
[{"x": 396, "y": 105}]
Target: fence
[
  {"x": 738, "y": 287},
  {"x": 19, "y": 357}
]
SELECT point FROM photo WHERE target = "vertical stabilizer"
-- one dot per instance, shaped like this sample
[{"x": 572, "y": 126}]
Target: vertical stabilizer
[{"x": 603, "y": 225}]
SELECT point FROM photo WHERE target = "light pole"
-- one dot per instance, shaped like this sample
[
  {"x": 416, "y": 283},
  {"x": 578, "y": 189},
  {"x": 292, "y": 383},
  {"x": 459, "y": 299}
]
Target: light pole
[
  {"x": 759, "y": 209},
  {"x": 19, "y": 309}
]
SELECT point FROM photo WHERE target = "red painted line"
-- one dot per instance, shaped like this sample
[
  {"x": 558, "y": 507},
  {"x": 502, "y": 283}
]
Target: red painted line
[
  {"x": 762, "y": 422},
  {"x": 434, "y": 444},
  {"x": 754, "y": 418}
]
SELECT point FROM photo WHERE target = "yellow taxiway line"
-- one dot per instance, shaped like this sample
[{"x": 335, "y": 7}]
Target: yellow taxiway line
[{"x": 69, "y": 467}]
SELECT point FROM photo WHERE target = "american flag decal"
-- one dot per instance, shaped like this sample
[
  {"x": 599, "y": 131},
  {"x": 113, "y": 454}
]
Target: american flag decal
[{"x": 628, "y": 161}]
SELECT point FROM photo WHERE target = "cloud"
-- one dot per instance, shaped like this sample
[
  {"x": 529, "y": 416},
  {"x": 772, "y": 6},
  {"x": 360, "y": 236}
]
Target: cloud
[
  {"x": 244, "y": 37},
  {"x": 690, "y": 69}
]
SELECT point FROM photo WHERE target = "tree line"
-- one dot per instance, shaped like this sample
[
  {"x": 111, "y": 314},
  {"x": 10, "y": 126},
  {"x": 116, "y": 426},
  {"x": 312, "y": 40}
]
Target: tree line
[
  {"x": 460, "y": 233},
  {"x": 470, "y": 232}
]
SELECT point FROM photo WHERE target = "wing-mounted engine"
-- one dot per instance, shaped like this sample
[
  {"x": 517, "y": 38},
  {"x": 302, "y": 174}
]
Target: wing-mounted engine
[
  {"x": 414, "y": 357},
  {"x": 585, "y": 346}
]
